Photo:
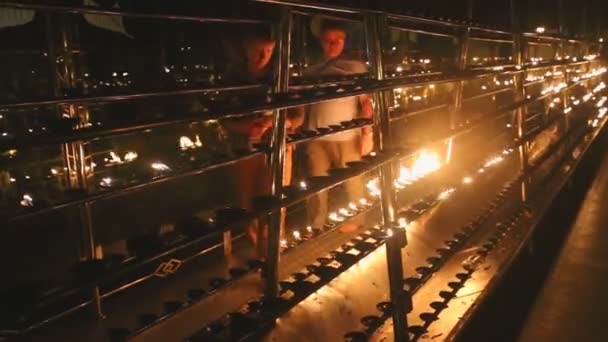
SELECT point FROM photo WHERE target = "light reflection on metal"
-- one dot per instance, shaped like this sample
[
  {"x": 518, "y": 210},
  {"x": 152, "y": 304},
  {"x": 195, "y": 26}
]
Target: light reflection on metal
[{"x": 372, "y": 187}]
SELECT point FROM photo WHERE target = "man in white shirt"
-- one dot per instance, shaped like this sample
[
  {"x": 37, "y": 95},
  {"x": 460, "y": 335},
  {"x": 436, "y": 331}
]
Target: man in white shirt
[{"x": 336, "y": 150}]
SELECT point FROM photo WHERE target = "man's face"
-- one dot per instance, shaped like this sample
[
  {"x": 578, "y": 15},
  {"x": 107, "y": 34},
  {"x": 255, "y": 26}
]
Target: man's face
[
  {"x": 259, "y": 53},
  {"x": 332, "y": 41}
]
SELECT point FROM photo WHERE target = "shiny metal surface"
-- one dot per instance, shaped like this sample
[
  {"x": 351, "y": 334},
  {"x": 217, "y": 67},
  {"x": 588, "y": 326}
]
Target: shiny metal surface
[{"x": 93, "y": 10}]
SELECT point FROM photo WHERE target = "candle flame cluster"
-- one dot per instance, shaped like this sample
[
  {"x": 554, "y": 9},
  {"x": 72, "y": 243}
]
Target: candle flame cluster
[
  {"x": 425, "y": 163},
  {"x": 115, "y": 159},
  {"x": 185, "y": 143}
]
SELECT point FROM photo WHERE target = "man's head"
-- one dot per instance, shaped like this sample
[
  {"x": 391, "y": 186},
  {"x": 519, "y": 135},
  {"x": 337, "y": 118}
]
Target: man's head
[
  {"x": 258, "y": 51},
  {"x": 333, "y": 37}
]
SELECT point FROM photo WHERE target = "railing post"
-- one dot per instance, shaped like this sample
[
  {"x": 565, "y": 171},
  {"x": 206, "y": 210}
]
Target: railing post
[
  {"x": 382, "y": 140},
  {"x": 74, "y": 153},
  {"x": 461, "y": 64},
  {"x": 520, "y": 95},
  {"x": 277, "y": 158}
]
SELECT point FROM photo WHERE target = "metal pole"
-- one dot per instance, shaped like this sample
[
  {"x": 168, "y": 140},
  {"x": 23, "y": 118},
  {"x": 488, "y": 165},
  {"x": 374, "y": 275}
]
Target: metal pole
[
  {"x": 520, "y": 95},
  {"x": 461, "y": 63},
  {"x": 75, "y": 153},
  {"x": 382, "y": 139},
  {"x": 277, "y": 158}
]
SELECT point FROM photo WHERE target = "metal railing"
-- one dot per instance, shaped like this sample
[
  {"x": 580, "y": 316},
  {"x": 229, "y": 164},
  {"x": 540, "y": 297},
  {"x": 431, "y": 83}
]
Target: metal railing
[{"x": 285, "y": 96}]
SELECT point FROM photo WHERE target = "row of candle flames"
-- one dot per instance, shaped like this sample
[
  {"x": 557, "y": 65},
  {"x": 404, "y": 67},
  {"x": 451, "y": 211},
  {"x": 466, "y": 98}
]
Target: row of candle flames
[{"x": 424, "y": 162}]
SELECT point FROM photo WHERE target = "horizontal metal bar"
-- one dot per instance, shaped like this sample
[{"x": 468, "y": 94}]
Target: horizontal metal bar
[
  {"x": 95, "y": 10},
  {"x": 553, "y": 38},
  {"x": 489, "y": 93},
  {"x": 125, "y": 97},
  {"x": 491, "y": 40},
  {"x": 315, "y": 6},
  {"x": 111, "y": 193},
  {"x": 122, "y": 191},
  {"x": 406, "y": 114},
  {"x": 283, "y": 101},
  {"x": 421, "y": 31}
]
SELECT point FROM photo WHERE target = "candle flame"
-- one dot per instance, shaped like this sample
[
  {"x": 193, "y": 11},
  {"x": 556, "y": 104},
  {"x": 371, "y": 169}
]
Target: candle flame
[
  {"x": 27, "y": 201},
  {"x": 335, "y": 217},
  {"x": 160, "y": 167}
]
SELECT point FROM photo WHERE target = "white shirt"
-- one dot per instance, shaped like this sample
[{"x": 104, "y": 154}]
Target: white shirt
[{"x": 333, "y": 112}]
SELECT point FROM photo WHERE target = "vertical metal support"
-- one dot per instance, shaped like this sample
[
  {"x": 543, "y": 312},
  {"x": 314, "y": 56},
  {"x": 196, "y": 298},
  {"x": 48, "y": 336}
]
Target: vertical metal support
[
  {"x": 520, "y": 95},
  {"x": 461, "y": 64},
  {"x": 382, "y": 139},
  {"x": 561, "y": 52},
  {"x": 277, "y": 158},
  {"x": 75, "y": 157}
]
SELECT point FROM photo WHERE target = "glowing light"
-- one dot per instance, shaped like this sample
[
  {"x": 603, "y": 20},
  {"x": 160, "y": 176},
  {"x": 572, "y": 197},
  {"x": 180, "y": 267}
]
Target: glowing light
[
  {"x": 106, "y": 182},
  {"x": 353, "y": 206},
  {"x": 364, "y": 202},
  {"x": 54, "y": 172},
  {"x": 417, "y": 98},
  {"x": 309, "y": 229},
  {"x": 493, "y": 161},
  {"x": 389, "y": 232},
  {"x": 445, "y": 194},
  {"x": 372, "y": 187},
  {"x": 467, "y": 180},
  {"x": 425, "y": 164},
  {"x": 567, "y": 110},
  {"x": 13, "y": 180},
  {"x": 601, "y": 40},
  {"x": 402, "y": 223},
  {"x": 399, "y": 69},
  {"x": 114, "y": 158},
  {"x": 335, "y": 217},
  {"x": 130, "y": 156},
  {"x": 296, "y": 235},
  {"x": 27, "y": 201},
  {"x": 284, "y": 243},
  {"x": 160, "y": 166},
  {"x": 303, "y": 185},
  {"x": 345, "y": 212},
  {"x": 185, "y": 143}
]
